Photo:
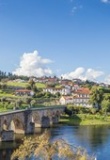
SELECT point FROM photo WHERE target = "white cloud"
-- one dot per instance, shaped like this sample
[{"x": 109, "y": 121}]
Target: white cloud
[
  {"x": 105, "y": 1},
  {"x": 107, "y": 80},
  {"x": 82, "y": 73},
  {"x": 32, "y": 64},
  {"x": 93, "y": 74}
]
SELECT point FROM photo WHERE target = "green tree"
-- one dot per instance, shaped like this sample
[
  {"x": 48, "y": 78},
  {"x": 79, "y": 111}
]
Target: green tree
[
  {"x": 33, "y": 103},
  {"x": 28, "y": 86},
  {"x": 107, "y": 97},
  {"x": 105, "y": 105},
  {"x": 48, "y": 95},
  {"x": 32, "y": 83},
  {"x": 57, "y": 95},
  {"x": 28, "y": 101},
  {"x": 19, "y": 103},
  {"x": 3, "y": 100},
  {"x": 96, "y": 96}
]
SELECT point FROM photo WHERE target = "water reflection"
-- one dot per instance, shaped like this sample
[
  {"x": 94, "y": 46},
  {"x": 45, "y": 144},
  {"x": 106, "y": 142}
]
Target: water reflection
[
  {"x": 7, "y": 148},
  {"x": 95, "y": 139},
  {"x": 94, "y": 135}
]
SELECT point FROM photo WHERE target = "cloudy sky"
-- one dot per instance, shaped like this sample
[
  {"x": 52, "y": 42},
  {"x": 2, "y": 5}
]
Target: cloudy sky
[{"x": 69, "y": 38}]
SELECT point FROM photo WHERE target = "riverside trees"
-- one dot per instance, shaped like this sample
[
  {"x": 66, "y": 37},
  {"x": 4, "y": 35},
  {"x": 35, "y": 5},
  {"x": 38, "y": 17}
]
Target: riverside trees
[
  {"x": 100, "y": 98},
  {"x": 96, "y": 97}
]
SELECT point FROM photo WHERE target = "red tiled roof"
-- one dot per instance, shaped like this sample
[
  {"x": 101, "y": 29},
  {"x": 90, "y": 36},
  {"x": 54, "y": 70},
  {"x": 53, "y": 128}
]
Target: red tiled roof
[{"x": 83, "y": 91}]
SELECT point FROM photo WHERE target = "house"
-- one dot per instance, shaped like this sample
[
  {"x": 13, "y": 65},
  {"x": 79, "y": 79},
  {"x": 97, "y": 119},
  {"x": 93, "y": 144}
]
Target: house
[
  {"x": 41, "y": 79},
  {"x": 24, "y": 92},
  {"x": 52, "y": 80},
  {"x": 66, "y": 82},
  {"x": 66, "y": 100},
  {"x": 75, "y": 87},
  {"x": 81, "y": 97},
  {"x": 66, "y": 90},
  {"x": 62, "y": 90}
]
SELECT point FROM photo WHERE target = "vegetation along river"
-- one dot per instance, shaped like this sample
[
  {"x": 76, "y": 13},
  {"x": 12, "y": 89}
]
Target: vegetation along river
[{"x": 95, "y": 139}]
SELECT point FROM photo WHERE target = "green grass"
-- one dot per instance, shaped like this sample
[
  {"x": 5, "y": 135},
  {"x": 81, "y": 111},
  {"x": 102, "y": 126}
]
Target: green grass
[
  {"x": 84, "y": 119},
  {"x": 40, "y": 85},
  {"x": 6, "y": 95},
  {"x": 24, "y": 84},
  {"x": 10, "y": 94},
  {"x": 3, "y": 109},
  {"x": 58, "y": 86},
  {"x": 19, "y": 84}
]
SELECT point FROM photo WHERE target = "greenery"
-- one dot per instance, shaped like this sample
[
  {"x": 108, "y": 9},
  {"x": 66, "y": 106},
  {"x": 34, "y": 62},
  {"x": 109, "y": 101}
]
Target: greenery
[
  {"x": 96, "y": 96},
  {"x": 41, "y": 148},
  {"x": 99, "y": 97},
  {"x": 7, "y": 92},
  {"x": 17, "y": 84},
  {"x": 85, "y": 119}
]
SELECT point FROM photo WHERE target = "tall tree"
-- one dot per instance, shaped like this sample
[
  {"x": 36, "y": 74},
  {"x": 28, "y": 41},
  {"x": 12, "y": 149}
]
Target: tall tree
[
  {"x": 32, "y": 85},
  {"x": 105, "y": 106},
  {"x": 96, "y": 96}
]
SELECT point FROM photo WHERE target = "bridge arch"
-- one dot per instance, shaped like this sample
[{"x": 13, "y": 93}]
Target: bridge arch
[
  {"x": 17, "y": 125},
  {"x": 36, "y": 118},
  {"x": 5, "y": 125}
]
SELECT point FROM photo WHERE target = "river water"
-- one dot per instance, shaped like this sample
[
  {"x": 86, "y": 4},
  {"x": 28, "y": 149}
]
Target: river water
[{"x": 95, "y": 139}]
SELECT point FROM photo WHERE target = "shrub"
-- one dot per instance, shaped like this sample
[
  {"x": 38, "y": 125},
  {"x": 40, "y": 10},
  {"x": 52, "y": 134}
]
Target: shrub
[{"x": 41, "y": 148}]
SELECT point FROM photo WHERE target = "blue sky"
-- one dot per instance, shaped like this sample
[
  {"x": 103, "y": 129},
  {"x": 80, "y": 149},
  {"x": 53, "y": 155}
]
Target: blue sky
[{"x": 56, "y": 37}]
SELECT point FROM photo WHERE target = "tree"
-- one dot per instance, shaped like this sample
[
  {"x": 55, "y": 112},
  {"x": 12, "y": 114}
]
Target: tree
[
  {"x": 19, "y": 103},
  {"x": 58, "y": 94},
  {"x": 3, "y": 100},
  {"x": 107, "y": 97},
  {"x": 28, "y": 101},
  {"x": 41, "y": 148},
  {"x": 32, "y": 83},
  {"x": 96, "y": 97},
  {"x": 33, "y": 103},
  {"x": 48, "y": 95},
  {"x": 105, "y": 106}
]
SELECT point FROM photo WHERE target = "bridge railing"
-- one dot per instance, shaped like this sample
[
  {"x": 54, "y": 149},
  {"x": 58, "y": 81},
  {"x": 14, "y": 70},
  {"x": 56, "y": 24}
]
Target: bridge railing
[{"x": 23, "y": 110}]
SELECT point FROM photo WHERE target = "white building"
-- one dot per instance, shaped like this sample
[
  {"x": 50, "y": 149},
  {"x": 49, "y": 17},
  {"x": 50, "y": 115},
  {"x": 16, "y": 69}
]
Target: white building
[
  {"x": 61, "y": 90},
  {"x": 79, "y": 98},
  {"x": 66, "y": 100}
]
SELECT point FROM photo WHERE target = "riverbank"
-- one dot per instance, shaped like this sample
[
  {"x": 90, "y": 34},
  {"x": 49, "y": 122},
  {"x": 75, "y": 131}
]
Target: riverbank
[{"x": 85, "y": 119}]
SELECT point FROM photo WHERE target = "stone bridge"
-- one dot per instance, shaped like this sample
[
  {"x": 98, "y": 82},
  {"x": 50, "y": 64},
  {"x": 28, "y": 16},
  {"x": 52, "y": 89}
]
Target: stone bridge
[{"x": 25, "y": 121}]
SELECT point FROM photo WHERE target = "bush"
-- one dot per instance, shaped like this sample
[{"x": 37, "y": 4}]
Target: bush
[
  {"x": 41, "y": 148},
  {"x": 78, "y": 109}
]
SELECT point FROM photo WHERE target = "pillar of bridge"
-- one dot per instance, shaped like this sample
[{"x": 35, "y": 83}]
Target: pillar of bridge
[
  {"x": 29, "y": 125},
  {"x": 55, "y": 119},
  {"x": 45, "y": 123}
]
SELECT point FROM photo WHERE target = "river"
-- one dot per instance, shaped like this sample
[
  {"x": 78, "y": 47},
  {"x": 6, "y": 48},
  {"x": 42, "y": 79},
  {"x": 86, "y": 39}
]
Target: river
[{"x": 95, "y": 139}]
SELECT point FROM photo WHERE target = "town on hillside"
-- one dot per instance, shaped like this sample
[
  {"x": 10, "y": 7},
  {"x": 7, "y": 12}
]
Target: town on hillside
[{"x": 16, "y": 91}]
